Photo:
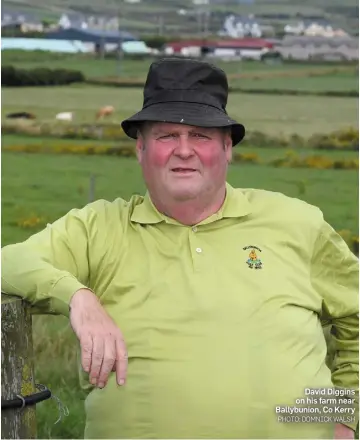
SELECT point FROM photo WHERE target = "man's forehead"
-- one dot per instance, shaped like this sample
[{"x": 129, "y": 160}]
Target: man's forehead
[{"x": 169, "y": 126}]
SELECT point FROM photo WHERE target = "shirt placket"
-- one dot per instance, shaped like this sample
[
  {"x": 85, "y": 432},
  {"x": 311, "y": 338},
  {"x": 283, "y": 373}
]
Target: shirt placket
[{"x": 196, "y": 248}]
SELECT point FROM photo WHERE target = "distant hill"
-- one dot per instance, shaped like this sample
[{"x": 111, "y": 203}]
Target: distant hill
[{"x": 183, "y": 17}]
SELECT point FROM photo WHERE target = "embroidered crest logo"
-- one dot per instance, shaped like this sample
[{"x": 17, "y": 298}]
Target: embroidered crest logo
[{"x": 253, "y": 261}]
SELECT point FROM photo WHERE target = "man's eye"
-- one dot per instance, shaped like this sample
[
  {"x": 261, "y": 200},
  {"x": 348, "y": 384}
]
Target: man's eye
[
  {"x": 166, "y": 136},
  {"x": 200, "y": 135}
]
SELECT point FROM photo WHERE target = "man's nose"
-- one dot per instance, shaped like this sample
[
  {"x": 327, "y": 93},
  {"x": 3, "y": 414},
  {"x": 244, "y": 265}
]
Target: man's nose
[{"x": 184, "y": 148}]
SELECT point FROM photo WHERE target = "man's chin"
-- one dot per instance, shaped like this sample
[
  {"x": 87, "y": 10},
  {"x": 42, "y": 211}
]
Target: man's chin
[{"x": 184, "y": 194}]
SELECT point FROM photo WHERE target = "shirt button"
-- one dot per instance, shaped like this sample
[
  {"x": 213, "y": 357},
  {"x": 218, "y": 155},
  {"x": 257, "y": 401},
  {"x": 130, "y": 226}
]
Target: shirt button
[
  {"x": 198, "y": 250},
  {"x": 194, "y": 228}
]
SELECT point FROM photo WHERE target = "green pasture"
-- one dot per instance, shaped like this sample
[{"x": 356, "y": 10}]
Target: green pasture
[
  {"x": 271, "y": 114},
  {"x": 336, "y": 82},
  {"x": 335, "y": 77},
  {"x": 93, "y": 66}
]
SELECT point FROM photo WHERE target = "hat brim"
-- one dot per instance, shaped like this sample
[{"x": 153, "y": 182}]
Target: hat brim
[{"x": 199, "y": 115}]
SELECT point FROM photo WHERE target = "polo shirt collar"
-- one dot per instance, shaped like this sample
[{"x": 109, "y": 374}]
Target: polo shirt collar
[
  {"x": 235, "y": 205},
  {"x": 146, "y": 212}
]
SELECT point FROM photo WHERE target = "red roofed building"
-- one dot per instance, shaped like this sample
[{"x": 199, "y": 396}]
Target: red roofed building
[{"x": 245, "y": 48}]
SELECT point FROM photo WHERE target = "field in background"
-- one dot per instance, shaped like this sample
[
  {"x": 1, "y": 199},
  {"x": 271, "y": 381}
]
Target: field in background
[
  {"x": 267, "y": 113},
  {"x": 92, "y": 66},
  {"x": 243, "y": 74},
  {"x": 273, "y": 114}
]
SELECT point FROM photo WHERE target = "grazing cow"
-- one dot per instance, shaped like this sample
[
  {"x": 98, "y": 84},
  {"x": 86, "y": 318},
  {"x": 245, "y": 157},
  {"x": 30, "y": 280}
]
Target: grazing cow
[
  {"x": 64, "y": 116},
  {"x": 105, "y": 111},
  {"x": 20, "y": 115}
]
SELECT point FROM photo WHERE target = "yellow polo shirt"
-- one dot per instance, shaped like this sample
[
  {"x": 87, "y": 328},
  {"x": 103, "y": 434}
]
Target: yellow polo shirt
[{"x": 221, "y": 320}]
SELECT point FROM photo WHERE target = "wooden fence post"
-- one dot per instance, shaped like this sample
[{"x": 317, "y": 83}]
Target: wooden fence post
[{"x": 17, "y": 368}]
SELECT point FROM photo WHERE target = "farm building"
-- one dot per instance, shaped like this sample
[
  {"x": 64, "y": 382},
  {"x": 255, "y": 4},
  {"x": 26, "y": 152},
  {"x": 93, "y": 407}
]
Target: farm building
[
  {"x": 91, "y": 35},
  {"x": 71, "y": 46},
  {"x": 101, "y": 41},
  {"x": 241, "y": 48},
  {"x": 60, "y": 46},
  {"x": 324, "y": 48}
]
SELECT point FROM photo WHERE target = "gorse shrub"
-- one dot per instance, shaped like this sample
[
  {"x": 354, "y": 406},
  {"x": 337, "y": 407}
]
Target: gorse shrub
[
  {"x": 346, "y": 139},
  {"x": 292, "y": 160}
]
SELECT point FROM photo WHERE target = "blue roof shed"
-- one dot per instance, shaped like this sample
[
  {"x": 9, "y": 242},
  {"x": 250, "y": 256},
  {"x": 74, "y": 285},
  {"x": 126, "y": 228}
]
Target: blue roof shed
[{"x": 91, "y": 35}]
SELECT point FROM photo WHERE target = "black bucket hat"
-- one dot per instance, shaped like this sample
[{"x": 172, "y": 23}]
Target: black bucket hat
[{"x": 186, "y": 91}]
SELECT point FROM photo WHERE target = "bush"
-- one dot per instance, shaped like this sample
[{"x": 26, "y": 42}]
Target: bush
[
  {"x": 345, "y": 139},
  {"x": 66, "y": 130},
  {"x": 292, "y": 160},
  {"x": 123, "y": 151},
  {"x": 40, "y": 76},
  {"x": 8, "y": 75},
  {"x": 246, "y": 158}
]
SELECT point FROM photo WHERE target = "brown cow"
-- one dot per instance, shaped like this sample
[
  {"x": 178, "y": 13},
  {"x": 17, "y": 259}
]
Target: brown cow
[{"x": 104, "y": 111}]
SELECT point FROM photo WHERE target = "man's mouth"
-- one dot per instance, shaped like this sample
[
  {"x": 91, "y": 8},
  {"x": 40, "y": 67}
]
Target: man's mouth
[{"x": 183, "y": 170}]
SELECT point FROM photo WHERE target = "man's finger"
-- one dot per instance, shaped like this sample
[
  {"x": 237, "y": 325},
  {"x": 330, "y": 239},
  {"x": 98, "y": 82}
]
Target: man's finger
[
  {"x": 96, "y": 359},
  {"x": 86, "y": 345},
  {"x": 121, "y": 361},
  {"x": 108, "y": 362}
]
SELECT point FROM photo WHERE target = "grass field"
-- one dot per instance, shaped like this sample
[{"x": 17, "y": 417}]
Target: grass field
[
  {"x": 92, "y": 66},
  {"x": 48, "y": 186},
  {"x": 340, "y": 82},
  {"x": 297, "y": 76},
  {"x": 267, "y": 113}
]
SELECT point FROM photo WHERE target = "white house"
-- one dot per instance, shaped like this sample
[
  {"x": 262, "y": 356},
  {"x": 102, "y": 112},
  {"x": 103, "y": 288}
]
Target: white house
[{"x": 240, "y": 27}]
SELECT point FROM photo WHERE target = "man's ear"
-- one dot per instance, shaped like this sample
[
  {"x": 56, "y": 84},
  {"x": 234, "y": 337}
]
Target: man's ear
[
  {"x": 228, "y": 147},
  {"x": 139, "y": 147}
]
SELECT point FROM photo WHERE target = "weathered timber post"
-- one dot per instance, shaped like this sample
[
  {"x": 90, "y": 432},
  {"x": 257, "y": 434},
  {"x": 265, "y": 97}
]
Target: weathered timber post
[{"x": 17, "y": 368}]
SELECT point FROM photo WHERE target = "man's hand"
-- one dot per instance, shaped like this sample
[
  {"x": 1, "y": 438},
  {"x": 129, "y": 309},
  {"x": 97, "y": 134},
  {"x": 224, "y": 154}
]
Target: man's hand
[
  {"x": 102, "y": 345},
  {"x": 343, "y": 432}
]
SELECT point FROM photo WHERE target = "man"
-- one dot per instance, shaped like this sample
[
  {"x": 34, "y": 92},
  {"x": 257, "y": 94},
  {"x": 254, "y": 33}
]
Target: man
[{"x": 198, "y": 307}]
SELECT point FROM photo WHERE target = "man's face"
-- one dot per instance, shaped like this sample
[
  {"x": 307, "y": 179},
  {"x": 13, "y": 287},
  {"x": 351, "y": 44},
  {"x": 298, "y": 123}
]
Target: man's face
[{"x": 182, "y": 162}]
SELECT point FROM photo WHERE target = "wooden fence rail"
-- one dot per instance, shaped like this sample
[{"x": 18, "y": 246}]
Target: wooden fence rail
[{"x": 17, "y": 368}]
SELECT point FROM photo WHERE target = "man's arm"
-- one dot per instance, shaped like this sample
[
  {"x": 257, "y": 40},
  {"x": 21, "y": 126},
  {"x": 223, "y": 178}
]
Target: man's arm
[
  {"x": 50, "y": 266},
  {"x": 335, "y": 275},
  {"x": 52, "y": 271}
]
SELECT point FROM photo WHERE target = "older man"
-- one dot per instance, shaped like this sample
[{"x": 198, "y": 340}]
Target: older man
[{"x": 198, "y": 307}]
